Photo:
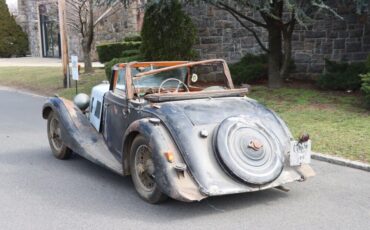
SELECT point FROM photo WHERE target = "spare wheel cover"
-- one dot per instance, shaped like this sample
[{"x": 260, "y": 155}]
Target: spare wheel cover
[{"x": 248, "y": 151}]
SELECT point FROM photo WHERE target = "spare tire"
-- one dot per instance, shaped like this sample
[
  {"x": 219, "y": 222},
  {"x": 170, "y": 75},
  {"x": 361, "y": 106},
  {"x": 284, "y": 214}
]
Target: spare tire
[{"x": 248, "y": 151}]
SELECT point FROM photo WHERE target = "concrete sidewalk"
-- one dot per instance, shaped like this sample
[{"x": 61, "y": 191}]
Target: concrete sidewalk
[{"x": 37, "y": 62}]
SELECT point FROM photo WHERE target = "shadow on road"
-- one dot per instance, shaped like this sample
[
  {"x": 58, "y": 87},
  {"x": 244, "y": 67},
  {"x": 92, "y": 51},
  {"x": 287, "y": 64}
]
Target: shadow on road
[{"x": 80, "y": 184}]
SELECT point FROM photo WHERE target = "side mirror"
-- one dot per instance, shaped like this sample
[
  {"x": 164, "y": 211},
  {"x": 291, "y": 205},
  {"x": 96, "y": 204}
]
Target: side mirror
[{"x": 82, "y": 101}]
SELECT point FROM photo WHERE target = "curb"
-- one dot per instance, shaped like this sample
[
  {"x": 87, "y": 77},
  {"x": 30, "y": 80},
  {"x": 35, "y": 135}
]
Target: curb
[{"x": 341, "y": 161}]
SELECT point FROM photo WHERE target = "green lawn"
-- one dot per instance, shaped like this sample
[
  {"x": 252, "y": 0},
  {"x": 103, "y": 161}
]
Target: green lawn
[
  {"x": 47, "y": 80},
  {"x": 336, "y": 121}
]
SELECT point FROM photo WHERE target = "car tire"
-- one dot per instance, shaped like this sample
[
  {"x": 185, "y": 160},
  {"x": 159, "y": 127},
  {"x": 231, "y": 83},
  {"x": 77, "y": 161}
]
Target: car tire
[
  {"x": 59, "y": 149},
  {"x": 142, "y": 170}
]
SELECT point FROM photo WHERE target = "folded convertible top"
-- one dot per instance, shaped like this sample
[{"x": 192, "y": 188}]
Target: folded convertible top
[{"x": 160, "y": 97}]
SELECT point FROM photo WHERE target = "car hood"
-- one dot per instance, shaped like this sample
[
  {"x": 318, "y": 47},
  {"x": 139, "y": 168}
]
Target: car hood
[{"x": 185, "y": 120}]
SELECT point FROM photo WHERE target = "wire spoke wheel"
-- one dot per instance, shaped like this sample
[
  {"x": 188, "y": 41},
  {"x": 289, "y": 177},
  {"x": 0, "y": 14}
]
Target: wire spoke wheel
[
  {"x": 55, "y": 134},
  {"x": 144, "y": 166},
  {"x": 54, "y": 129},
  {"x": 142, "y": 170}
]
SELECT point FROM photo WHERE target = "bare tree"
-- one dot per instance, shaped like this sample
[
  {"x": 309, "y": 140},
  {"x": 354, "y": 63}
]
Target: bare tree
[{"x": 80, "y": 18}]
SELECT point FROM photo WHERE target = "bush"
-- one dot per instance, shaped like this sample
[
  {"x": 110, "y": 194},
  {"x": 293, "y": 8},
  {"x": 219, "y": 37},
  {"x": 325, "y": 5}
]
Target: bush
[
  {"x": 167, "y": 33},
  {"x": 108, "y": 66},
  {"x": 368, "y": 63},
  {"x": 107, "y": 52},
  {"x": 366, "y": 88},
  {"x": 13, "y": 41},
  {"x": 341, "y": 76},
  {"x": 250, "y": 69}
]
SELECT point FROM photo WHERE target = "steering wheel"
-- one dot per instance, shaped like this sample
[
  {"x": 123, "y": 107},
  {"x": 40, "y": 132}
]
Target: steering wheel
[{"x": 178, "y": 85}]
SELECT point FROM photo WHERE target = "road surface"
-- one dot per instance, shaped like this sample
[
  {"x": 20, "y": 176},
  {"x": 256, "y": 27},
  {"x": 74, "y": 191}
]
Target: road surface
[{"x": 40, "y": 192}]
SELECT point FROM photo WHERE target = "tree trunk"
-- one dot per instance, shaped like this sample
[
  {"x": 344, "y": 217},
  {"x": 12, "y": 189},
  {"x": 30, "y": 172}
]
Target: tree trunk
[
  {"x": 287, "y": 35},
  {"x": 86, "y": 49},
  {"x": 274, "y": 57},
  {"x": 88, "y": 37},
  {"x": 284, "y": 72},
  {"x": 87, "y": 61}
]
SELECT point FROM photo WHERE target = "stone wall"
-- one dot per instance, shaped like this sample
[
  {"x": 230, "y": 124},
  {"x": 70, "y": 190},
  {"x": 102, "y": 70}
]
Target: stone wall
[
  {"x": 28, "y": 19},
  {"x": 119, "y": 23},
  {"x": 221, "y": 36}
]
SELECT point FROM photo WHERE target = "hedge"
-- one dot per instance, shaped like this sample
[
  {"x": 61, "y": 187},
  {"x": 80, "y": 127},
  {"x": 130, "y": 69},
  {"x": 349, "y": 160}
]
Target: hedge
[
  {"x": 341, "y": 75},
  {"x": 107, "y": 52},
  {"x": 136, "y": 38},
  {"x": 108, "y": 66},
  {"x": 250, "y": 69}
]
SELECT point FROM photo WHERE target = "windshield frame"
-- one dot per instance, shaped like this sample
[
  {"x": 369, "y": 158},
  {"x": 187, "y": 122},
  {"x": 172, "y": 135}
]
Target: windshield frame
[{"x": 169, "y": 65}]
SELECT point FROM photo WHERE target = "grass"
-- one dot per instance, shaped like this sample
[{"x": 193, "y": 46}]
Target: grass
[
  {"x": 335, "y": 121},
  {"x": 47, "y": 80}
]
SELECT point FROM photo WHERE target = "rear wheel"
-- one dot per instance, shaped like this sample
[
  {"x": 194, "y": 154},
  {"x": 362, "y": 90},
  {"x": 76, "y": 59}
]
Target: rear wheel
[
  {"x": 142, "y": 171},
  {"x": 60, "y": 150}
]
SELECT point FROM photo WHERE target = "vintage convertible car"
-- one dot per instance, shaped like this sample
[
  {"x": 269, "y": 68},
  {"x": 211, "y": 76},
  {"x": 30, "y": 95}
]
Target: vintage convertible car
[{"x": 181, "y": 130}]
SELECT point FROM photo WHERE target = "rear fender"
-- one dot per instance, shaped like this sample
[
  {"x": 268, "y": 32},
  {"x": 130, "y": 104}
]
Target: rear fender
[{"x": 176, "y": 184}]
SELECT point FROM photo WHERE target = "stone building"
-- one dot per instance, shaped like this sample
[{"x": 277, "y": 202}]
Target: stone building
[
  {"x": 220, "y": 35},
  {"x": 40, "y": 20}
]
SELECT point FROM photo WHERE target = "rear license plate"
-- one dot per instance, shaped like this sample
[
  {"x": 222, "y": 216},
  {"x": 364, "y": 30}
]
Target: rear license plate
[{"x": 300, "y": 153}]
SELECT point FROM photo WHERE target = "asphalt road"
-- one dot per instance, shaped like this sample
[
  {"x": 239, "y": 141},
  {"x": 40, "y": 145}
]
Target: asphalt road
[{"x": 40, "y": 192}]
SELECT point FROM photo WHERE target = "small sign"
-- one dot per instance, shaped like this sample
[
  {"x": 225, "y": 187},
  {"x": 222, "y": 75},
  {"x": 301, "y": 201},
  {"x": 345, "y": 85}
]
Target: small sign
[{"x": 74, "y": 60}]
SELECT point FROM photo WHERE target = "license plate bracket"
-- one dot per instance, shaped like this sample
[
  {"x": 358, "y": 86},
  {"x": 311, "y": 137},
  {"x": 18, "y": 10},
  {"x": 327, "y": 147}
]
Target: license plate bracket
[{"x": 300, "y": 153}]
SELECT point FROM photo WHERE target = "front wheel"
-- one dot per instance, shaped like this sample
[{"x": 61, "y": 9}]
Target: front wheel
[
  {"x": 60, "y": 150},
  {"x": 142, "y": 171}
]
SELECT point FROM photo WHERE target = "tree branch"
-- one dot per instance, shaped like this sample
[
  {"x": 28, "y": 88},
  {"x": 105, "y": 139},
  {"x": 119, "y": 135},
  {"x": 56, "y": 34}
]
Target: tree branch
[
  {"x": 233, "y": 10},
  {"x": 254, "y": 33}
]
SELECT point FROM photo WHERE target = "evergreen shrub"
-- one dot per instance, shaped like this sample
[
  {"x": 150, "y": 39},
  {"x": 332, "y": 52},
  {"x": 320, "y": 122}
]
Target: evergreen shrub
[
  {"x": 13, "y": 41},
  {"x": 167, "y": 33}
]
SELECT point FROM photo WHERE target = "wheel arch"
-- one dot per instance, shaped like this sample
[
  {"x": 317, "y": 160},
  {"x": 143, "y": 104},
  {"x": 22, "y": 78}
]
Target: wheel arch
[
  {"x": 46, "y": 111},
  {"x": 126, "y": 150},
  {"x": 178, "y": 187}
]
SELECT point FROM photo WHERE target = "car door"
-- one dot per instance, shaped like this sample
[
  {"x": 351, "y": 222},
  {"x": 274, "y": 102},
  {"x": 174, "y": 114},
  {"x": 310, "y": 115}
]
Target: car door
[{"x": 116, "y": 114}]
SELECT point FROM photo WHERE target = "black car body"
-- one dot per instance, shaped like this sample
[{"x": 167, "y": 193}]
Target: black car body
[{"x": 187, "y": 140}]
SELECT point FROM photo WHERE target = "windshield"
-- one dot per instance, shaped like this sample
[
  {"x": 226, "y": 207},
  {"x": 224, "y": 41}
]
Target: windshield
[
  {"x": 198, "y": 77},
  {"x": 208, "y": 76},
  {"x": 155, "y": 80}
]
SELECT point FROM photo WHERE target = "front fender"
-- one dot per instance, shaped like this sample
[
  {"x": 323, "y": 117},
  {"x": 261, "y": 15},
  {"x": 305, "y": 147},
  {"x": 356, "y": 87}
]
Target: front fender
[
  {"x": 63, "y": 109},
  {"x": 175, "y": 184},
  {"x": 78, "y": 134}
]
